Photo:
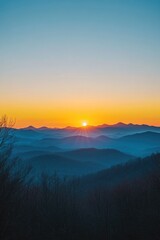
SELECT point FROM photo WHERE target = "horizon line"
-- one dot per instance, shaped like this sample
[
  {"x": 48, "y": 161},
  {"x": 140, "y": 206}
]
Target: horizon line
[{"x": 88, "y": 126}]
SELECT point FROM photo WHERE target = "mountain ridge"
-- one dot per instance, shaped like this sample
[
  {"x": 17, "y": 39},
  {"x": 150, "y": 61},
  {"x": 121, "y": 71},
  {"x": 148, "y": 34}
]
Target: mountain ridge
[{"x": 104, "y": 125}]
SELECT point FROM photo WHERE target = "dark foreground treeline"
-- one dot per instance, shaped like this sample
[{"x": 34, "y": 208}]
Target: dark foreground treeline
[{"x": 122, "y": 206}]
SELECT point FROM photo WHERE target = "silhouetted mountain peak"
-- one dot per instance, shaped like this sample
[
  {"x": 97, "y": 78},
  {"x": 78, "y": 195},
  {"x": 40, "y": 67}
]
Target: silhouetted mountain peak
[
  {"x": 43, "y": 128},
  {"x": 119, "y": 124},
  {"x": 143, "y": 137},
  {"x": 69, "y": 128},
  {"x": 103, "y": 125},
  {"x": 30, "y": 127}
]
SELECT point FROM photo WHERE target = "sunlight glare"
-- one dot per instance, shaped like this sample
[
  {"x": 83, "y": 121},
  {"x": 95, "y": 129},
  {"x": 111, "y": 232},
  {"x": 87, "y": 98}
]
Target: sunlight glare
[{"x": 84, "y": 124}]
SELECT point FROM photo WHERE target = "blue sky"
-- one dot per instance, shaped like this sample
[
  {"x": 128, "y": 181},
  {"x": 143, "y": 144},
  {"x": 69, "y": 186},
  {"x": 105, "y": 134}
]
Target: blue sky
[{"x": 93, "y": 53}]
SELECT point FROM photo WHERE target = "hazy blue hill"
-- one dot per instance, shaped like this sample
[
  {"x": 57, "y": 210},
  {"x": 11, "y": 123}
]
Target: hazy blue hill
[
  {"x": 121, "y": 129},
  {"x": 134, "y": 141},
  {"x": 27, "y": 155},
  {"x": 74, "y": 142},
  {"x": 151, "y": 150},
  {"x": 40, "y": 133},
  {"x": 139, "y": 143},
  {"x": 87, "y": 142},
  {"x": 79, "y": 138},
  {"x": 107, "y": 157},
  {"x": 28, "y": 133},
  {"x": 113, "y": 131},
  {"x": 48, "y": 141},
  {"x": 64, "y": 166},
  {"x": 22, "y": 149},
  {"x": 78, "y": 162},
  {"x": 66, "y": 142},
  {"x": 136, "y": 170},
  {"x": 78, "y": 142},
  {"x": 104, "y": 138},
  {"x": 145, "y": 137},
  {"x": 46, "y": 157}
]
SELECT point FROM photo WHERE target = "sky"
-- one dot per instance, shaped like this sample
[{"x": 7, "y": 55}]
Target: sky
[{"x": 63, "y": 62}]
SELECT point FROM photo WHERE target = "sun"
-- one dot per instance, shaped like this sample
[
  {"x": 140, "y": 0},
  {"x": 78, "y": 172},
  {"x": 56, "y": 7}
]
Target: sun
[{"x": 84, "y": 124}]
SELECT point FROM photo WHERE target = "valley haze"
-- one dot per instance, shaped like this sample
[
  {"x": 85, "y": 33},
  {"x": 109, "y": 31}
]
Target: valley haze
[{"x": 79, "y": 151}]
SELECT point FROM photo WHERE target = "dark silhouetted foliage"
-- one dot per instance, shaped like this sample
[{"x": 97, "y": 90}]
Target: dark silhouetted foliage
[{"x": 120, "y": 203}]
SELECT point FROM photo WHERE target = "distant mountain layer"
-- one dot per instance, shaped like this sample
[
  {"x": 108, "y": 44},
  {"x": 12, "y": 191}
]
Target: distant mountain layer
[
  {"x": 78, "y": 162},
  {"x": 76, "y": 151},
  {"x": 115, "y": 130},
  {"x": 137, "y": 170},
  {"x": 145, "y": 137},
  {"x": 138, "y": 144},
  {"x": 64, "y": 166},
  {"x": 107, "y": 157}
]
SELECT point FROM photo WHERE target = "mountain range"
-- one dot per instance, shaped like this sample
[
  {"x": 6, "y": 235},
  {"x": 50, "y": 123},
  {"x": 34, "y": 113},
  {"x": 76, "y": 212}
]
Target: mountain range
[{"x": 81, "y": 151}]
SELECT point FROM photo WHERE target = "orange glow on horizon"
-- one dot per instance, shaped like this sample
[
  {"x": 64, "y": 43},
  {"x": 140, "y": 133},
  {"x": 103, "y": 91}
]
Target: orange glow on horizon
[
  {"x": 58, "y": 123},
  {"x": 74, "y": 115}
]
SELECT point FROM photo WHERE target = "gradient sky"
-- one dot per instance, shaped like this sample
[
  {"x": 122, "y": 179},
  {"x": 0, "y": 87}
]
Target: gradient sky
[{"x": 65, "y": 61}]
